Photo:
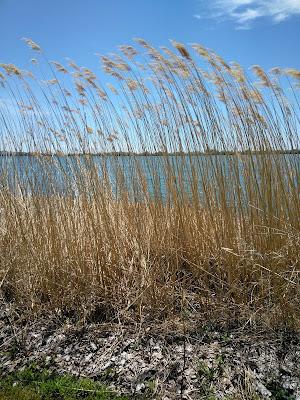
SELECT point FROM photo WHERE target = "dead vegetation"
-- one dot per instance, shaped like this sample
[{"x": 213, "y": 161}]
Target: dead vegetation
[{"x": 197, "y": 237}]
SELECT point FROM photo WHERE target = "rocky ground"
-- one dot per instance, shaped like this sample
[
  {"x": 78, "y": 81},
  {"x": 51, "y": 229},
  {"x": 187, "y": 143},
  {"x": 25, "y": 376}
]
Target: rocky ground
[{"x": 157, "y": 363}]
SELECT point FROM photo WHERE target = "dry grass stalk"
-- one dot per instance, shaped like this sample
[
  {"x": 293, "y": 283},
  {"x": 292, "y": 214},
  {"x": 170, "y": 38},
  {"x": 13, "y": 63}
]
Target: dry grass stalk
[{"x": 223, "y": 230}]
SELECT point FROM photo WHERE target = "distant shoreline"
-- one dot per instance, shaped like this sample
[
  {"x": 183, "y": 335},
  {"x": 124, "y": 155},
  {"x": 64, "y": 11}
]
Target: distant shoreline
[{"x": 146, "y": 154}]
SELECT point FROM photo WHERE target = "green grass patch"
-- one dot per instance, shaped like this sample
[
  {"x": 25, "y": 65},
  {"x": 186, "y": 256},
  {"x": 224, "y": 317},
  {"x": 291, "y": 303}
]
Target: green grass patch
[{"x": 35, "y": 384}]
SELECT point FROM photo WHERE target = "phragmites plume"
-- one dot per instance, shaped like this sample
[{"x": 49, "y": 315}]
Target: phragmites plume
[
  {"x": 294, "y": 73},
  {"x": 260, "y": 73},
  {"x": 132, "y": 84},
  {"x": 89, "y": 75},
  {"x": 221, "y": 61},
  {"x": 11, "y": 69},
  {"x": 80, "y": 88},
  {"x": 202, "y": 51},
  {"x": 129, "y": 51},
  {"x": 155, "y": 55},
  {"x": 73, "y": 65},
  {"x": 107, "y": 62},
  {"x": 115, "y": 74},
  {"x": 112, "y": 137},
  {"x": 101, "y": 94},
  {"x": 30, "y": 43},
  {"x": 123, "y": 67},
  {"x": 120, "y": 64},
  {"x": 181, "y": 69},
  {"x": 276, "y": 71},
  {"x": 142, "y": 43},
  {"x": 217, "y": 79},
  {"x": 109, "y": 66},
  {"x": 258, "y": 117},
  {"x": 254, "y": 95},
  {"x": 182, "y": 50},
  {"x": 237, "y": 72},
  {"x": 59, "y": 67}
]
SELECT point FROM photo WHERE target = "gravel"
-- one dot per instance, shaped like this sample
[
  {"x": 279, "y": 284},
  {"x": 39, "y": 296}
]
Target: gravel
[{"x": 163, "y": 365}]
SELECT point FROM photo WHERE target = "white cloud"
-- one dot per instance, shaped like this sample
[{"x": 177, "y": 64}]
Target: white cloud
[{"x": 245, "y": 12}]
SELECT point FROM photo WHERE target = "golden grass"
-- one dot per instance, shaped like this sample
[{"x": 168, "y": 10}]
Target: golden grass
[{"x": 220, "y": 240}]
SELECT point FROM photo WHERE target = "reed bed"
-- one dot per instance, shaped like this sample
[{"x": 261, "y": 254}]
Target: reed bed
[{"x": 202, "y": 221}]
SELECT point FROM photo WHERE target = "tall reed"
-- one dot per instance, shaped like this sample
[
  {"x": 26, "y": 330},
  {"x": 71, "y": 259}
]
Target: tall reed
[{"x": 194, "y": 190}]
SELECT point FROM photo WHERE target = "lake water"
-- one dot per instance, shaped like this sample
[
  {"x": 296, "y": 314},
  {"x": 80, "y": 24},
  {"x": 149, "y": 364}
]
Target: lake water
[{"x": 156, "y": 176}]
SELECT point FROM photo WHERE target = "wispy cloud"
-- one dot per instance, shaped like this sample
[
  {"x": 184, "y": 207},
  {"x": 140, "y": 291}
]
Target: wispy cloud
[{"x": 245, "y": 12}]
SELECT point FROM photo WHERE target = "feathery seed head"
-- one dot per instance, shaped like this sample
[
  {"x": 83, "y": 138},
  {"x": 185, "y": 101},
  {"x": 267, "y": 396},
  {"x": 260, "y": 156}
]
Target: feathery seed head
[
  {"x": 294, "y": 73},
  {"x": 112, "y": 137},
  {"x": 59, "y": 67},
  {"x": 260, "y": 73},
  {"x": 132, "y": 84},
  {"x": 276, "y": 71},
  {"x": 254, "y": 95},
  {"x": 129, "y": 51},
  {"x": 101, "y": 94},
  {"x": 80, "y": 88},
  {"x": 11, "y": 69},
  {"x": 73, "y": 65},
  {"x": 182, "y": 50},
  {"x": 237, "y": 72},
  {"x": 142, "y": 42},
  {"x": 34, "y": 46},
  {"x": 89, "y": 74},
  {"x": 202, "y": 51}
]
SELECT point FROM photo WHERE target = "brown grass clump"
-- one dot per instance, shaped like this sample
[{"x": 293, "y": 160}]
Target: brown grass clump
[{"x": 172, "y": 190}]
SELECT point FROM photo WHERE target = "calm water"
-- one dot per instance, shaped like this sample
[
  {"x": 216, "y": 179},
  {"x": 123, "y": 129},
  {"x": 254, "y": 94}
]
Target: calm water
[{"x": 137, "y": 175}]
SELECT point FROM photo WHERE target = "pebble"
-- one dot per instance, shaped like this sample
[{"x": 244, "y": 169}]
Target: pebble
[
  {"x": 93, "y": 346},
  {"x": 140, "y": 387}
]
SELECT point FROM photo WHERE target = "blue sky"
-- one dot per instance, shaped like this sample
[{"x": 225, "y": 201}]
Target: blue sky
[{"x": 264, "y": 32}]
